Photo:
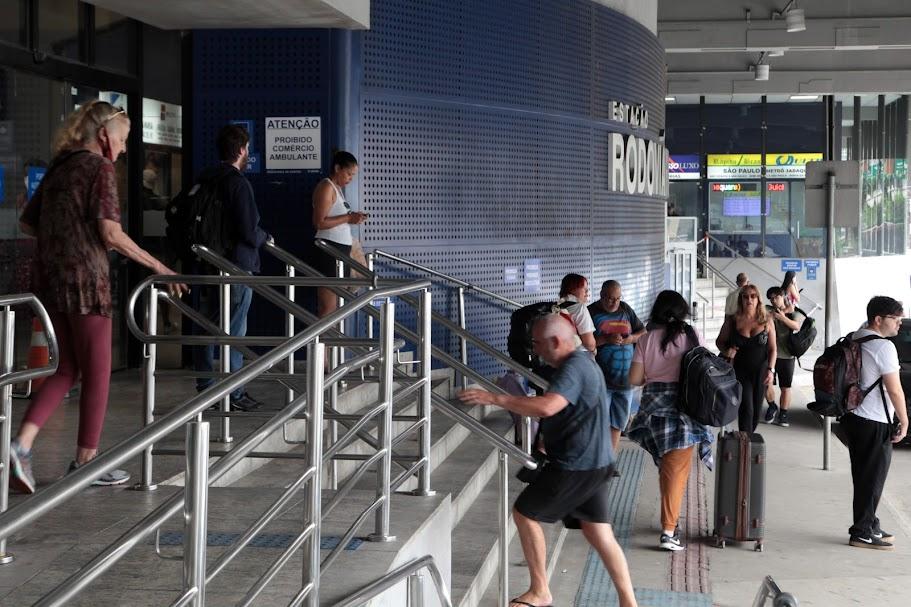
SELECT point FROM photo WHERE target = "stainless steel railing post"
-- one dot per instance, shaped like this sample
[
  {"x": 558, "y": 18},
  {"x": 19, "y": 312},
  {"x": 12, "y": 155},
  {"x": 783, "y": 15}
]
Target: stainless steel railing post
[
  {"x": 371, "y": 261},
  {"x": 425, "y": 364},
  {"x": 340, "y": 273},
  {"x": 333, "y": 424},
  {"x": 527, "y": 439},
  {"x": 316, "y": 354},
  {"x": 148, "y": 390},
  {"x": 503, "y": 544},
  {"x": 8, "y": 336},
  {"x": 336, "y": 357},
  {"x": 463, "y": 343},
  {"x": 224, "y": 292},
  {"x": 415, "y": 596},
  {"x": 196, "y": 511},
  {"x": 384, "y": 428},
  {"x": 290, "y": 272}
]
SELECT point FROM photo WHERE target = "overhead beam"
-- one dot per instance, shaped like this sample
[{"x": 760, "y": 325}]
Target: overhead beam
[
  {"x": 765, "y": 35},
  {"x": 788, "y": 82},
  {"x": 202, "y": 14}
]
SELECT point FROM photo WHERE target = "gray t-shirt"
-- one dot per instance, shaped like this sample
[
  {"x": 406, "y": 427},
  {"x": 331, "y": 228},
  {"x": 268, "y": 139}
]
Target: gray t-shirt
[{"x": 578, "y": 437}]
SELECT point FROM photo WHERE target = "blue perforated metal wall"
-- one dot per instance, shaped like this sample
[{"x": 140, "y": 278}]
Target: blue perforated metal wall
[
  {"x": 252, "y": 75},
  {"x": 481, "y": 128},
  {"x": 484, "y": 143}
]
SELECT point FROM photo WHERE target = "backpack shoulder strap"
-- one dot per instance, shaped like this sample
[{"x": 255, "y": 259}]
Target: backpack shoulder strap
[{"x": 691, "y": 339}]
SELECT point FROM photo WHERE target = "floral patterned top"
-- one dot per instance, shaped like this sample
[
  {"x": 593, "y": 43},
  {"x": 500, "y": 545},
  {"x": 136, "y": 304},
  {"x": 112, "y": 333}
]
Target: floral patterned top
[{"x": 71, "y": 271}]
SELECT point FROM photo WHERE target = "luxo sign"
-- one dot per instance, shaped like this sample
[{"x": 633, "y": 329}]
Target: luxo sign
[{"x": 635, "y": 165}]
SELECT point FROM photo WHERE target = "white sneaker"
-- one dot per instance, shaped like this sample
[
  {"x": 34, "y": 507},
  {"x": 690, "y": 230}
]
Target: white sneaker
[
  {"x": 108, "y": 479},
  {"x": 670, "y": 542}
]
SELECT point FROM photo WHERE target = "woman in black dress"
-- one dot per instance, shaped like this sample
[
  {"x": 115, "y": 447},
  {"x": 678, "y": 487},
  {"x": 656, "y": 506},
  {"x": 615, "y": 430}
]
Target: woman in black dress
[{"x": 749, "y": 338}]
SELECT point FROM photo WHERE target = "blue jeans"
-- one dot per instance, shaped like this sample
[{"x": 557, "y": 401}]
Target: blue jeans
[
  {"x": 619, "y": 403},
  {"x": 204, "y": 356}
]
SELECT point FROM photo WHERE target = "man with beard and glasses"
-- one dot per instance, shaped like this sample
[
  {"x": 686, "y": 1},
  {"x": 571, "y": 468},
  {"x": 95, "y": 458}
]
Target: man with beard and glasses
[{"x": 242, "y": 215}]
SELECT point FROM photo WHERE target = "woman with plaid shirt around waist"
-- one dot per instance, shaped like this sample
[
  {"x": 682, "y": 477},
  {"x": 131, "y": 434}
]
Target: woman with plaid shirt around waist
[{"x": 659, "y": 427}]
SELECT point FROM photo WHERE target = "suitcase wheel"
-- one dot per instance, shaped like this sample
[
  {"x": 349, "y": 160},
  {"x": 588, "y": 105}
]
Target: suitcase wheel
[{"x": 758, "y": 547}]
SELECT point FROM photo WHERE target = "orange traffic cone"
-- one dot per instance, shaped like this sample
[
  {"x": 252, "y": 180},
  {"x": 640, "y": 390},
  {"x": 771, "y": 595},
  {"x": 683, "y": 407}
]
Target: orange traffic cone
[{"x": 38, "y": 355}]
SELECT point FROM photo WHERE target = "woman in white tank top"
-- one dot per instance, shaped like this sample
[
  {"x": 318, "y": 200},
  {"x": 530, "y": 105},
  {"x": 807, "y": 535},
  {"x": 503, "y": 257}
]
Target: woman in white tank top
[{"x": 332, "y": 218}]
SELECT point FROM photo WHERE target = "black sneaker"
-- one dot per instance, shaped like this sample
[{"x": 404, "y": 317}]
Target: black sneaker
[
  {"x": 245, "y": 403},
  {"x": 670, "y": 542},
  {"x": 872, "y": 542},
  {"x": 770, "y": 413},
  {"x": 883, "y": 535},
  {"x": 782, "y": 419}
]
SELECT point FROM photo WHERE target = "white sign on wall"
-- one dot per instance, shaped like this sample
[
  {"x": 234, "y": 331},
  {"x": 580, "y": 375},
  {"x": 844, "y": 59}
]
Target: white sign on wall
[
  {"x": 161, "y": 123},
  {"x": 293, "y": 144}
]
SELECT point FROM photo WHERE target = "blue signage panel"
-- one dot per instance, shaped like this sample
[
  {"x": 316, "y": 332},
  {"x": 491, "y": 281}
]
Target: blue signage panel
[
  {"x": 34, "y": 177},
  {"x": 793, "y": 265},
  {"x": 683, "y": 166},
  {"x": 811, "y": 273},
  {"x": 254, "y": 162},
  {"x": 811, "y": 263}
]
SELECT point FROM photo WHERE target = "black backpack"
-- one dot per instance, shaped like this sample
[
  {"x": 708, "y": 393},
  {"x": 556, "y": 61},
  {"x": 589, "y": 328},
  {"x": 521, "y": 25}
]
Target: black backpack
[
  {"x": 518, "y": 343},
  {"x": 709, "y": 391},
  {"x": 801, "y": 340},
  {"x": 197, "y": 216}
]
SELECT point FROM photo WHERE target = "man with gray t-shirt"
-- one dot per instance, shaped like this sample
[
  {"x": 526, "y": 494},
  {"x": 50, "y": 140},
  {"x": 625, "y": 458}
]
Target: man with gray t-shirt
[
  {"x": 572, "y": 486},
  {"x": 868, "y": 428}
]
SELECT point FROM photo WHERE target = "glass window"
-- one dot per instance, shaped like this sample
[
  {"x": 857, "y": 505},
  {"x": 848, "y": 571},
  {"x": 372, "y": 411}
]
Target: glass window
[
  {"x": 32, "y": 111},
  {"x": 58, "y": 27},
  {"x": 10, "y": 22},
  {"x": 113, "y": 42}
]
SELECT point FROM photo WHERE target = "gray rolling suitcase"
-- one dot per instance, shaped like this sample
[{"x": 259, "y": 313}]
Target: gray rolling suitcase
[{"x": 740, "y": 488}]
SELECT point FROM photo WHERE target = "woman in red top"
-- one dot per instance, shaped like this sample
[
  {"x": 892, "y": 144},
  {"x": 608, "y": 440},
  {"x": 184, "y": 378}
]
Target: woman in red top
[{"x": 75, "y": 215}]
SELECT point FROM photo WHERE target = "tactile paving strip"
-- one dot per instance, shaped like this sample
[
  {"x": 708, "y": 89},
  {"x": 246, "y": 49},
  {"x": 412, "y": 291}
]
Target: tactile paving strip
[
  {"x": 596, "y": 588},
  {"x": 263, "y": 540}
]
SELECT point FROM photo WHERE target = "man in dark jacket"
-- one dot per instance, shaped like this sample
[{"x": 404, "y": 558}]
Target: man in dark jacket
[{"x": 247, "y": 236}]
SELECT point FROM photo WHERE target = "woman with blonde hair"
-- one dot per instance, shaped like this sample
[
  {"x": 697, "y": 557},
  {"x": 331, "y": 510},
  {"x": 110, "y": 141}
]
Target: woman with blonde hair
[
  {"x": 749, "y": 338},
  {"x": 75, "y": 215}
]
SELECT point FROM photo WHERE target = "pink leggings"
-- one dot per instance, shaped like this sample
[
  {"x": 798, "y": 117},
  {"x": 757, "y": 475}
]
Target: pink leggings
[{"x": 85, "y": 347}]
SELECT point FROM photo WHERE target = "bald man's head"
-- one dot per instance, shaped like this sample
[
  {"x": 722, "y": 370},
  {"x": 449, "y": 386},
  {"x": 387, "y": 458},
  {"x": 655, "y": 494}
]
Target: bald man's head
[{"x": 554, "y": 338}]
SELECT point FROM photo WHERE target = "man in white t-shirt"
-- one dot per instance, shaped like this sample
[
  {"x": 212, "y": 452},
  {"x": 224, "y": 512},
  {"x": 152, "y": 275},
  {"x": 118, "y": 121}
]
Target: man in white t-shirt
[
  {"x": 730, "y": 303},
  {"x": 868, "y": 428}
]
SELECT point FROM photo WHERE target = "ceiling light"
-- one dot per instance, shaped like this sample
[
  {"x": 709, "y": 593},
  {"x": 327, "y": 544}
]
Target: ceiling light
[
  {"x": 761, "y": 71},
  {"x": 796, "y": 20},
  {"x": 670, "y": 99},
  {"x": 803, "y": 97}
]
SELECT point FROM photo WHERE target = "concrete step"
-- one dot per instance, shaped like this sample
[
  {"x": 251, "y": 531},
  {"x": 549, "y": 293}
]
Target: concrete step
[{"x": 475, "y": 544}]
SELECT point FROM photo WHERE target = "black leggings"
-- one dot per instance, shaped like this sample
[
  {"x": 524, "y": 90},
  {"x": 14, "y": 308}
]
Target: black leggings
[{"x": 750, "y": 374}]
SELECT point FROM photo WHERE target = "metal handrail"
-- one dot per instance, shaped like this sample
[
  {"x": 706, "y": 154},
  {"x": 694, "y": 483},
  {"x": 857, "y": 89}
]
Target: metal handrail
[
  {"x": 381, "y": 585},
  {"x": 13, "y": 377},
  {"x": 505, "y": 448},
  {"x": 295, "y": 311},
  {"x": 456, "y": 281},
  {"x": 716, "y": 273},
  {"x": 752, "y": 263},
  {"x": 461, "y": 332},
  {"x": 441, "y": 355},
  {"x": 8, "y": 377},
  {"x": 26, "y": 512}
]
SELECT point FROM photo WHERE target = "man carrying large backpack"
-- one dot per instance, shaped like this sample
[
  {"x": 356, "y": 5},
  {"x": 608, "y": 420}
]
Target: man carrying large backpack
[
  {"x": 869, "y": 428},
  {"x": 241, "y": 239}
]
